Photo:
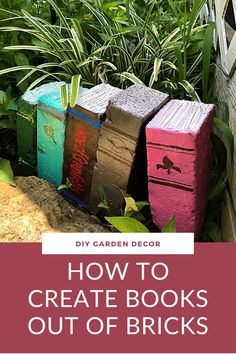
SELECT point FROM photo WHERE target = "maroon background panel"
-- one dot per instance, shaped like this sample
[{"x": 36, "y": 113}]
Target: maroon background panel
[{"x": 23, "y": 268}]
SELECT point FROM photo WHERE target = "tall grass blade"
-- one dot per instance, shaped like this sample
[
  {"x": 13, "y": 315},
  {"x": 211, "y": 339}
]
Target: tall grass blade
[
  {"x": 227, "y": 133},
  {"x": 77, "y": 27},
  {"x": 64, "y": 96},
  {"x": 60, "y": 14},
  {"x": 127, "y": 5},
  {"x": 196, "y": 8},
  {"x": 218, "y": 186},
  {"x": 206, "y": 59},
  {"x": 190, "y": 90},
  {"x": 131, "y": 77},
  {"x": 75, "y": 83},
  {"x": 157, "y": 67},
  {"x": 176, "y": 13}
]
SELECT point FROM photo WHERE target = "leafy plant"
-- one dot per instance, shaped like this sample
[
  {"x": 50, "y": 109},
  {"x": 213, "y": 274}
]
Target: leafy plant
[
  {"x": 70, "y": 96},
  {"x": 79, "y": 227},
  {"x": 132, "y": 219},
  {"x": 223, "y": 148},
  {"x": 6, "y": 174},
  {"x": 67, "y": 185},
  {"x": 220, "y": 174},
  {"x": 126, "y": 224},
  {"x": 103, "y": 204},
  {"x": 118, "y": 50},
  {"x": 8, "y": 108},
  {"x": 161, "y": 43},
  {"x": 170, "y": 226}
]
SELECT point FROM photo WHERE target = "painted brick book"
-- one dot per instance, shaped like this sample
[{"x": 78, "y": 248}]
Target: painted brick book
[
  {"x": 26, "y": 126},
  {"x": 83, "y": 126},
  {"x": 121, "y": 156},
  {"x": 51, "y": 125},
  {"x": 179, "y": 160}
]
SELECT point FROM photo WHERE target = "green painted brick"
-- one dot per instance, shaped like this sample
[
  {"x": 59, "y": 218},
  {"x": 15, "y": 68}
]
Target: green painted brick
[
  {"x": 26, "y": 125},
  {"x": 51, "y": 126}
]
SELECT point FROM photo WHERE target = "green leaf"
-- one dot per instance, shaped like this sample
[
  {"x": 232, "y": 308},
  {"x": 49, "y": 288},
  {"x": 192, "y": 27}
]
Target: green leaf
[
  {"x": 170, "y": 226},
  {"x": 3, "y": 97},
  {"x": 34, "y": 48},
  {"x": 62, "y": 186},
  {"x": 67, "y": 185},
  {"x": 5, "y": 123},
  {"x": 196, "y": 8},
  {"x": 21, "y": 59},
  {"x": 64, "y": 96},
  {"x": 103, "y": 204},
  {"x": 126, "y": 224},
  {"x": 136, "y": 215},
  {"x": 79, "y": 227},
  {"x": 170, "y": 64},
  {"x": 139, "y": 47},
  {"x": 75, "y": 83},
  {"x": 131, "y": 77},
  {"x": 141, "y": 204},
  {"x": 220, "y": 152},
  {"x": 179, "y": 57},
  {"x": 80, "y": 34},
  {"x": 107, "y": 63},
  {"x": 206, "y": 59},
  {"x": 212, "y": 230},
  {"x": 225, "y": 106},
  {"x": 176, "y": 13},
  {"x": 40, "y": 44},
  {"x": 127, "y": 5},
  {"x": 60, "y": 14},
  {"x": 20, "y": 68},
  {"x": 12, "y": 106},
  {"x": 156, "y": 68},
  {"x": 190, "y": 90},
  {"x": 6, "y": 173},
  {"x": 130, "y": 204},
  {"x": 227, "y": 133},
  {"x": 43, "y": 77},
  {"x": 151, "y": 81},
  {"x": 217, "y": 186}
]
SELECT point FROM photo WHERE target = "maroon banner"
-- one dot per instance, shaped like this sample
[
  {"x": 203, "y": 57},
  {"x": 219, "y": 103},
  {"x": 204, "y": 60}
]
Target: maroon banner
[{"x": 115, "y": 304}]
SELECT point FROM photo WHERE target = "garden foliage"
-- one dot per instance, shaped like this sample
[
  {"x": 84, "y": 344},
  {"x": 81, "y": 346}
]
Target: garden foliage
[
  {"x": 164, "y": 44},
  {"x": 114, "y": 43}
]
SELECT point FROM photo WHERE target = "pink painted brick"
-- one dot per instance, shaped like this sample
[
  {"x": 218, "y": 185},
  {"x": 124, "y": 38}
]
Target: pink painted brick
[{"x": 179, "y": 161}]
